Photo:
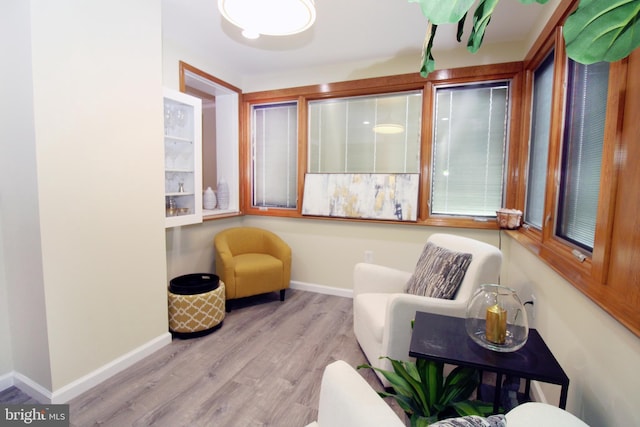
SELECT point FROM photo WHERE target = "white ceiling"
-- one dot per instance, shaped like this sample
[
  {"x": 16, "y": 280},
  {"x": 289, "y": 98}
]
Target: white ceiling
[{"x": 344, "y": 31}]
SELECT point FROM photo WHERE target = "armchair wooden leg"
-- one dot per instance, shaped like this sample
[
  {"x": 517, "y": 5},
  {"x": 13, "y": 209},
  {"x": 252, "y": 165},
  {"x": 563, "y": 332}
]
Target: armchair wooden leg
[{"x": 282, "y": 295}]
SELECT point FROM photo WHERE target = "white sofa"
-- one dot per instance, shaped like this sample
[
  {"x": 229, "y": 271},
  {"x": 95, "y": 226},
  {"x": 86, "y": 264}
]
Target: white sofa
[
  {"x": 382, "y": 311},
  {"x": 347, "y": 400}
]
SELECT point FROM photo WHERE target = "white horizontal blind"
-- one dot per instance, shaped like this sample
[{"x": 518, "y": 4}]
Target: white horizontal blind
[
  {"x": 539, "y": 142},
  {"x": 582, "y": 156},
  {"x": 469, "y": 144},
  {"x": 343, "y": 139},
  {"x": 274, "y": 138}
]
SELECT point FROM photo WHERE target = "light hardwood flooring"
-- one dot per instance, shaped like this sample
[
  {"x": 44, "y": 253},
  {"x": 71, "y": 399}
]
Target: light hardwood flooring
[{"x": 263, "y": 367}]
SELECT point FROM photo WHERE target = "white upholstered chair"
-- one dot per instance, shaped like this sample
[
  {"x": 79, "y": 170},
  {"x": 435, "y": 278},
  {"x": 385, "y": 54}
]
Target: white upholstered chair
[
  {"x": 383, "y": 311},
  {"x": 347, "y": 400}
]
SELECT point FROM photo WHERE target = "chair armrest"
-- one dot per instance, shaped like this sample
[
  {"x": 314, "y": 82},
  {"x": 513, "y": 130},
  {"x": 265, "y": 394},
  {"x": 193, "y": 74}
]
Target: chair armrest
[
  {"x": 225, "y": 264},
  {"x": 401, "y": 310},
  {"x": 372, "y": 278},
  {"x": 532, "y": 414},
  {"x": 347, "y": 400},
  {"x": 278, "y": 248}
]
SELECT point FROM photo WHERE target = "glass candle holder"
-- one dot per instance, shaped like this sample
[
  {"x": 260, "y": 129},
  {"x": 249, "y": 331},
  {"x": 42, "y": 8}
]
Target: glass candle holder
[{"x": 496, "y": 318}]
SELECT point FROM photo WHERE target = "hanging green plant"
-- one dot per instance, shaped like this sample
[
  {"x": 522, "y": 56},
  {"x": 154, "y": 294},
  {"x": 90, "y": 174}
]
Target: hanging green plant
[
  {"x": 596, "y": 31},
  {"x": 602, "y": 30},
  {"x": 439, "y": 12}
]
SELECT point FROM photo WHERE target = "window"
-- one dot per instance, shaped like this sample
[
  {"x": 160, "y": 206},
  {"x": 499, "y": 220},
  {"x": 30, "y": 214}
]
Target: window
[
  {"x": 582, "y": 152},
  {"x": 539, "y": 142},
  {"x": 469, "y": 144},
  {"x": 366, "y": 134},
  {"x": 274, "y": 146},
  {"x": 384, "y": 127},
  {"x": 579, "y": 192}
]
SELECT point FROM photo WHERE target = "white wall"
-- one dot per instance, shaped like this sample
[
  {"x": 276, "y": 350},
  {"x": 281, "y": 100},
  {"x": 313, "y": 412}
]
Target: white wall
[
  {"x": 27, "y": 346},
  {"x": 6, "y": 350},
  {"x": 82, "y": 190},
  {"x": 599, "y": 355},
  {"x": 98, "y": 120}
]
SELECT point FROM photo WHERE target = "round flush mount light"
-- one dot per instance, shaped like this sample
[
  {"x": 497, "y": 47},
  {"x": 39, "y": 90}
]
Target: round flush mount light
[
  {"x": 388, "y": 128},
  {"x": 269, "y": 17}
]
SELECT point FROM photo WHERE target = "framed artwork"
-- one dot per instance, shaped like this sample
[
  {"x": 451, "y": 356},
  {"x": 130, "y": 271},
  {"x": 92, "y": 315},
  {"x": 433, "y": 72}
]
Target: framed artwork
[{"x": 361, "y": 195}]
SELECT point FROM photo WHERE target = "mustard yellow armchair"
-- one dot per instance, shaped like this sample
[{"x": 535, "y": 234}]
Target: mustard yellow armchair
[{"x": 252, "y": 261}]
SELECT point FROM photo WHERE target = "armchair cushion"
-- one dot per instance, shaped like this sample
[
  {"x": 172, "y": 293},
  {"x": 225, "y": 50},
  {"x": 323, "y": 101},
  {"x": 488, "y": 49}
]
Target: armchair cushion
[{"x": 439, "y": 272}]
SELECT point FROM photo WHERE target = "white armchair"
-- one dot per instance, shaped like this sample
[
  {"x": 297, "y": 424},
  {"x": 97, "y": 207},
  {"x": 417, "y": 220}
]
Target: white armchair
[{"x": 382, "y": 311}]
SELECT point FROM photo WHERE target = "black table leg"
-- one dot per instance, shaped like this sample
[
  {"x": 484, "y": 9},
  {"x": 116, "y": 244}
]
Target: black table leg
[
  {"x": 496, "y": 394},
  {"x": 563, "y": 396}
]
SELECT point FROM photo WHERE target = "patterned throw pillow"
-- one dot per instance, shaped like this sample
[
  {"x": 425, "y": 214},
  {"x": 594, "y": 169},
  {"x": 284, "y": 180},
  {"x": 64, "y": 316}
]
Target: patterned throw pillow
[
  {"x": 439, "y": 272},
  {"x": 473, "y": 421}
]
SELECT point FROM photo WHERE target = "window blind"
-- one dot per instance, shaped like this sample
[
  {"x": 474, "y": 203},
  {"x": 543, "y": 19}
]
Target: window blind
[
  {"x": 539, "y": 142},
  {"x": 470, "y": 139},
  {"x": 582, "y": 152},
  {"x": 274, "y": 138},
  {"x": 344, "y": 134}
]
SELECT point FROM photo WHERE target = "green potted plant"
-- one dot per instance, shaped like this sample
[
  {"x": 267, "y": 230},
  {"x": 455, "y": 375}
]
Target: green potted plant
[{"x": 426, "y": 395}]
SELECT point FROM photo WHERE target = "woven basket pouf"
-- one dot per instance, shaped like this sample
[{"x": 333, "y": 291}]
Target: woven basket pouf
[{"x": 198, "y": 314}]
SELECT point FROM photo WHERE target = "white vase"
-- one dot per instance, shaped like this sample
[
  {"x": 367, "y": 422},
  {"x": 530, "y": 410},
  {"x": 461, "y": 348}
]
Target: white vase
[
  {"x": 209, "y": 199},
  {"x": 223, "y": 195}
]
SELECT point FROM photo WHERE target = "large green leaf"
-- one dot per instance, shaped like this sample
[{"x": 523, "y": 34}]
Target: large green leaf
[
  {"x": 602, "y": 30},
  {"x": 409, "y": 373},
  {"x": 473, "y": 407},
  {"x": 459, "y": 384},
  {"x": 444, "y": 11},
  {"x": 428, "y": 62},
  {"x": 418, "y": 421},
  {"x": 408, "y": 405},
  {"x": 481, "y": 18},
  {"x": 431, "y": 374},
  {"x": 399, "y": 384}
]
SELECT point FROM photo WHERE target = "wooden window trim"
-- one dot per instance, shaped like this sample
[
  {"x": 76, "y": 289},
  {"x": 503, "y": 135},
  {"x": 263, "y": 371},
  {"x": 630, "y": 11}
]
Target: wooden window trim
[
  {"x": 545, "y": 243},
  {"x": 374, "y": 86}
]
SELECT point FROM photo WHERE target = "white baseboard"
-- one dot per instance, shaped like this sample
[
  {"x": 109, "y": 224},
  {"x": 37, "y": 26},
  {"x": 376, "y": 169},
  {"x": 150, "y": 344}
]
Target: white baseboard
[
  {"x": 321, "y": 289},
  {"x": 94, "y": 378},
  {"x": 32, "y": 388},
  {"x": 79, "y": 386}
]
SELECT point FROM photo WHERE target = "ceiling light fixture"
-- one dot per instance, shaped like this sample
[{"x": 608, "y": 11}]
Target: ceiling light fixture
[
  {"x": 388, "y": 128},
  {"x": 269, "y": 17}
]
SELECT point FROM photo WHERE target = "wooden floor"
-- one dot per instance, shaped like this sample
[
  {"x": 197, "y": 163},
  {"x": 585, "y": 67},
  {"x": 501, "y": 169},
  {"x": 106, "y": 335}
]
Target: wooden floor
[{"x": 261, "y": 368}]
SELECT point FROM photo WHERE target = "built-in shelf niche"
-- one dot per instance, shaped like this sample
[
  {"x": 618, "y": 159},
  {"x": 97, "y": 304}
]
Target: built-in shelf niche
[{"x": 220, "y": 141}]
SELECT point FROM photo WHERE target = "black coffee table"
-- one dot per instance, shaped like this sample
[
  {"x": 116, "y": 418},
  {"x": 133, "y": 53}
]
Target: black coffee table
[{"x": 445, "y": 339}]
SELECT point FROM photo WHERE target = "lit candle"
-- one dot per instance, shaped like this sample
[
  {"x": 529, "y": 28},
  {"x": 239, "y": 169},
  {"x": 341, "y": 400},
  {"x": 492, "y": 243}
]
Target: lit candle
[{"x": 496, "y": 324}]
